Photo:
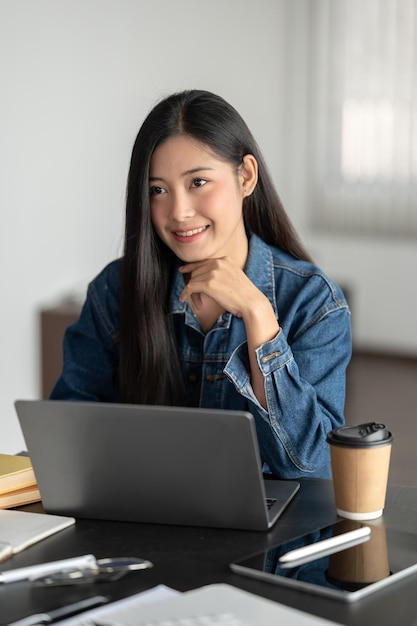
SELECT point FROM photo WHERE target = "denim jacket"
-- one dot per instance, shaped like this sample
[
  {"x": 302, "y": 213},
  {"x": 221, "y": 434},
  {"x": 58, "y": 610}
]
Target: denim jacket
[{"x": 304, "y": 366}]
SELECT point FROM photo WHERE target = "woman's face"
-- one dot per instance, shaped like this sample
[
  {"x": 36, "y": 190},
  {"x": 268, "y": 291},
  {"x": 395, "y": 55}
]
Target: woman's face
[{"x": 196, "y": 201}]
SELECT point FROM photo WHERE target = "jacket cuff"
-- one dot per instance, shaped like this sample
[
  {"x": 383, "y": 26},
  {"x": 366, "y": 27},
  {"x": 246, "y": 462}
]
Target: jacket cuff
[{"x": 274, "y": 354}]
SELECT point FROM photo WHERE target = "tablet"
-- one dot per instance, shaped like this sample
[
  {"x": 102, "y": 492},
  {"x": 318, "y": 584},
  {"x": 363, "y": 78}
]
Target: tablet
[{"x": 346, "y": 560}]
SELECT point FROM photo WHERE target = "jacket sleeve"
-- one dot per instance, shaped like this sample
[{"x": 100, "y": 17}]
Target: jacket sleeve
[
  {"x": 91, "y": 345},
  {"x": 305, "y": 380}
]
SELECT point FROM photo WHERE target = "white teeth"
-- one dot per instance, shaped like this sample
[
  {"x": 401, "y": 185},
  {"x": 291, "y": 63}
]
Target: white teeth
[{"x": 189, "y": 233}]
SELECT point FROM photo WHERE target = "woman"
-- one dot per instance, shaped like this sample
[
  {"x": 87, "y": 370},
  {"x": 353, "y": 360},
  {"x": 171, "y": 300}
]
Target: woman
[{"x": 215, "y": 302}]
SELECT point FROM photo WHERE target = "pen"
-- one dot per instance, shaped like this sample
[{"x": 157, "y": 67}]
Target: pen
[
  {"x": 61, "y": 612},
  {"x": 25, "y": 573},
  {"x": 299, "y": 556}
]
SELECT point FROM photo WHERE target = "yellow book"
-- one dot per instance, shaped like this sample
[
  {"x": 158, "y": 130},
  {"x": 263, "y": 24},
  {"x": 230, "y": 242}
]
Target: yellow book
[
  {"x": 19, "y": 497},
  {"x": 16, "y": 472}
]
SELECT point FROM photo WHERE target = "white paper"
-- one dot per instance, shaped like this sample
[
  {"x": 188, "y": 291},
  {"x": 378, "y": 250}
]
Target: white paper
[{"x": 126, "y": 607}]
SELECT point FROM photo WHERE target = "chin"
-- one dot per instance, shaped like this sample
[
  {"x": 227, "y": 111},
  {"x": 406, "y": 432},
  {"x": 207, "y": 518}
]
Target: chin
[{"x": 191, "y": 257}]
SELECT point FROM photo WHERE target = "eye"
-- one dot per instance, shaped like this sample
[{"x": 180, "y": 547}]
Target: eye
[
  {"x": 156, "y": 190},
  {"x": 198, "y": 182}
]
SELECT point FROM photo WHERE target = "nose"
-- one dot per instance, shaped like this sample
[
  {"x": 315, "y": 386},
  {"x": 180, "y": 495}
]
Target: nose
[{"x": 181, "y": 207}]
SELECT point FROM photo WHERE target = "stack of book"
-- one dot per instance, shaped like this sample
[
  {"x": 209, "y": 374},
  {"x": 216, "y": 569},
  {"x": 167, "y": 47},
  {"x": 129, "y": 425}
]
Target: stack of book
[{"x": 18, "y": 484}]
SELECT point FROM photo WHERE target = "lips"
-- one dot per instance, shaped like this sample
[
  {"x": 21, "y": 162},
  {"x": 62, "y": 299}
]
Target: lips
[{"x": 191, "y": 232}]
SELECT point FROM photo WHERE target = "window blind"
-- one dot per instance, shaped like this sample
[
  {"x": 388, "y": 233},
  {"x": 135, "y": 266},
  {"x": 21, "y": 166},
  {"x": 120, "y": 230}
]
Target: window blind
[{"x": 363, "y": 116}]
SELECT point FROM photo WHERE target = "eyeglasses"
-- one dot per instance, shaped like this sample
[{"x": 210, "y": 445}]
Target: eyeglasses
[{"x": 103, "y": 570}]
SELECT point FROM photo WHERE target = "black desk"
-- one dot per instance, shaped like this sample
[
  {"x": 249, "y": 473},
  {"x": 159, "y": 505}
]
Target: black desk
[{"x": 189, "y": 557}]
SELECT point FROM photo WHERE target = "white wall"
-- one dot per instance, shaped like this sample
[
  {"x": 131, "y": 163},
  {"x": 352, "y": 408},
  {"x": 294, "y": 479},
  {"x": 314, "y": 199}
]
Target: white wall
[{"x": 76, "y": 79}]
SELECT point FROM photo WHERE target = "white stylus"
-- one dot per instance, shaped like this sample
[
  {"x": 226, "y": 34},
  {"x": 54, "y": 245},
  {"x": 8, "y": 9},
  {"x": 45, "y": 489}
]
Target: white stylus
[
  {"x": 299, "y": 556},
  {"x": 25, "y": 573}
]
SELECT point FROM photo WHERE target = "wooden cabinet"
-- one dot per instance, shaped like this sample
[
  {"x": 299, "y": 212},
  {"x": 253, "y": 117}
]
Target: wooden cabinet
[{"x": 53, "y": 323}]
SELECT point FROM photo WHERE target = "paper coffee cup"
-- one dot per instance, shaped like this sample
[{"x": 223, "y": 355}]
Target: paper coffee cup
[
  {"x": 360, "y": 458},
  {"x": 361, "y": 565}
]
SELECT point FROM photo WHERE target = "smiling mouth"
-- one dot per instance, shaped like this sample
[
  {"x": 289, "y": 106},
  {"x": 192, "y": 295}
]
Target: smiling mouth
[{"x": 190, "y": 233}]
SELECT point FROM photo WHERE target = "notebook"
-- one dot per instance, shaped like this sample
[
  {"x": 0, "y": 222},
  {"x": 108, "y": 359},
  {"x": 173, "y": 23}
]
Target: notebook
[
  {"x": 21, "y": 529},
  {"x": 169, "y": 465}
]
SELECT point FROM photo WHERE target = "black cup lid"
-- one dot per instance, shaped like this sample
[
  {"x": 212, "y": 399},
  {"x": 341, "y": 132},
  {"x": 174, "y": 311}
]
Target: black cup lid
[{"x": 362, "y": 435}]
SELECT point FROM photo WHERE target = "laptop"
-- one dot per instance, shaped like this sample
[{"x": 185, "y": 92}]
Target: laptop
[{"x": 153, "y": 464}]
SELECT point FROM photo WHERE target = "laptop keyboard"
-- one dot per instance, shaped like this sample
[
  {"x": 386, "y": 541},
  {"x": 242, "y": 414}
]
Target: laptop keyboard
[{"x": 270, "y": 502}]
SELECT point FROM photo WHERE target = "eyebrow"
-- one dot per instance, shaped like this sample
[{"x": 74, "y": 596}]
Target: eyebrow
[{"x": 194, "y": 170}]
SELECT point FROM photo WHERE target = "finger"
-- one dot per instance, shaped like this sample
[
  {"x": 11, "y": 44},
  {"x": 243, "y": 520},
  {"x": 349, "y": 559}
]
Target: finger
[
  {"x": 197, "y": 300},
  {"x": 193, "y": 289},
  {"x": 191, "y": 267}
]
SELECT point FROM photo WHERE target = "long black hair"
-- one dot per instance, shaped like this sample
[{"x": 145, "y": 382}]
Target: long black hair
[{"x": 149, "y": 369}]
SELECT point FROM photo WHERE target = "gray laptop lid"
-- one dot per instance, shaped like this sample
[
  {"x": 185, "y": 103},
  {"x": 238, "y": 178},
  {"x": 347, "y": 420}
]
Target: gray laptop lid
[{"x": 154, "y": 464}]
